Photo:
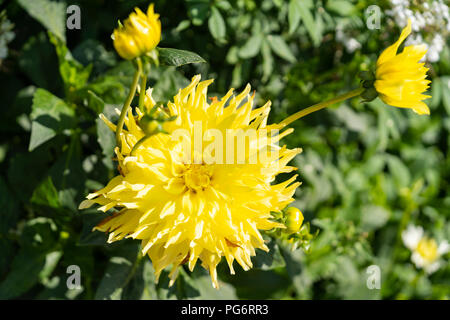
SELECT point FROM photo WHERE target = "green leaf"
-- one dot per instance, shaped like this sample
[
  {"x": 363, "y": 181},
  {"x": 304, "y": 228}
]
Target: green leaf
[
  {"x": 50, "y": 116},
  {"x": 105, "y": 137},
  {"x": 142, "y": 285},
  {"x": 46, "y": 194},
  {"x": 352, "y": 283},
  {"x": 94, "y": 102},
  {"x": 6, "y": 255},
  {"x": 445, "y": 84},
  {"x": 251, "y": 47},
  {"x": 28, "y": 268},
  {"x": 373, "y": 217},
  {"x": 259, "y": 284},
  {"x": 341, "y": 7},
  {"x": 302, "y": 8},
  {"x": 113, "y": 86},
  {"x": 294, "y": 267},
  {"x": 22, "y": 180},
  {"x": 293, "y": 16},
  {"x": 169, "y": 80},
  {"x": 399, "y": 171},
  {"x": 120, "y": 270},
  {"x": 197, "y": 10},
  {"x": 56, "y": 289},
  {"x": 280, "y": 47},
  {"x": 37, "y": 61},
  {"x": 268, "y": 63},
  {"x": 9, "y": 213},
  {"x": 68, "y": 175},
  {"x": 73, "y": 73},
  {"x": 353, "y": 120},
  {"x": 115, "y": 279},
  {"x": 89, "y": 237},
  {"x": 216, "y": 24},
  {"x": 175, "y": 57},
  {"x": 269, "y": 260},
  {"x": 199, "y": 283},
  {"x": 91, "y": 51},
  {"x": 51, "y": 14},
  {"x": 436, "y": 93},
  {"x": 39, "y": 234},
  {"x": 183, "y": 25},
  {"x": 51, "y": 260}
]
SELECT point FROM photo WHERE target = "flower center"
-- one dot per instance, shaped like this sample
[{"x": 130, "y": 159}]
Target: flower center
[
  {"x": 197, "y": 176},
  {"x": 428, "y": 249}
]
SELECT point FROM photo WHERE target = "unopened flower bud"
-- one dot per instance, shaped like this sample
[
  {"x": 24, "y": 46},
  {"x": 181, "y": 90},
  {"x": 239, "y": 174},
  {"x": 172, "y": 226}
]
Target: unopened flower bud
[
  {"x": 149, "y": 125},
  {"x": 294, "y": 220}
]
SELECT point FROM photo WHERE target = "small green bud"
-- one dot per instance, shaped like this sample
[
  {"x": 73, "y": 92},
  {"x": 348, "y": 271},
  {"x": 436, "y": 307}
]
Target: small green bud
[
  {"x": 369, "y": 94},
  {"x": 149, "y": 125},
  {"x": 64, "y": 235},
  {"x": 368, "y": 83},
  {"x": 366, "y": 75}
]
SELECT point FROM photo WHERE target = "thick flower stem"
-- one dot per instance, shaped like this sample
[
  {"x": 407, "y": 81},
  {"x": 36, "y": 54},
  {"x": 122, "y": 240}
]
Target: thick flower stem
[
  {"x": 319, "y": 106},
  {"x": 127, "y": 103}
]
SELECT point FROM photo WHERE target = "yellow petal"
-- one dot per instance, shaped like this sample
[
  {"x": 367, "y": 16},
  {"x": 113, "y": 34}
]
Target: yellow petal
[
  {"x": 421, "y": 108},
  {"x": 391, "y": 51}
]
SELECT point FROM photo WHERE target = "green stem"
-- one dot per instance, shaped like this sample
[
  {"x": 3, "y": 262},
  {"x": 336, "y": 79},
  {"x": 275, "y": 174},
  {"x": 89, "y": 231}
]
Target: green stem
[
  {"x": 319, "y": 106},
  {"x": 127, "y": 103},
  {"x": 134, "y": 268},
  {"x": 138, "y": 144},
  {"x": 143, "y": 89}
]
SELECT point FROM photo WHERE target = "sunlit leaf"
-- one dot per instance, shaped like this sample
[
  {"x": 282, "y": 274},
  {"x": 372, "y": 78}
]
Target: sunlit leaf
[{"x": 176, "y": 57}]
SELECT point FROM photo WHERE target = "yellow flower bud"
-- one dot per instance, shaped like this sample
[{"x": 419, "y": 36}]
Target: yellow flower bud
[
  {"x": 401, "y": 78},
  {"x": 294, "y": 220},
  {"x": 139, "y": 35},
  {"x": 125, "y": 45}
]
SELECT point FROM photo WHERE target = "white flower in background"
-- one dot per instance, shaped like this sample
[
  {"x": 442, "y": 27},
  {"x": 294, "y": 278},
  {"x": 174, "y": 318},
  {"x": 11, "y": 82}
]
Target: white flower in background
[
  {"x": 350, "y": 43},
  {"x": 426, "y": 253},
  {"x": 437, "y": 45},
  {"x": 430, "y": 23}
]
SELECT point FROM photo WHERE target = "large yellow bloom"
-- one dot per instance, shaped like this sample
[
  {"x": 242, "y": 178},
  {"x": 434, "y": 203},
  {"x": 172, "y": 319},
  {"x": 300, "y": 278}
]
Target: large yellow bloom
[
  {"x": 140, "y": 34},
  {"x": 184, "y": 211},
  {"x": 400, "y": 78}
]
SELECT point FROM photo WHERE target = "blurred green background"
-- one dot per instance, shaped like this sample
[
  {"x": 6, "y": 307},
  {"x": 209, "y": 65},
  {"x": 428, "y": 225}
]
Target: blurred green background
[{"x": 368, "y": 170}]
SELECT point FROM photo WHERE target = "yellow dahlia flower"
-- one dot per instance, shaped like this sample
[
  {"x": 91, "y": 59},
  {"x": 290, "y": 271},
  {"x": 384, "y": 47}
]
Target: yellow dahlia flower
[
  {"x": 202, "y": 205},
  {"x": 400, "y": 78},
  {"x": 140, "y": 34}
]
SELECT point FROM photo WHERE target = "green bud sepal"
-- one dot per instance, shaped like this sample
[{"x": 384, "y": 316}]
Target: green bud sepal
[{"x": 367, "y": 82}]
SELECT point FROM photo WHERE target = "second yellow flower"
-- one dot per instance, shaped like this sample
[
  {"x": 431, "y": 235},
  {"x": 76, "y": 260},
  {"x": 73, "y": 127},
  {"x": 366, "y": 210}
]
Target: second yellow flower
[{"x": 139, "y": 34}]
